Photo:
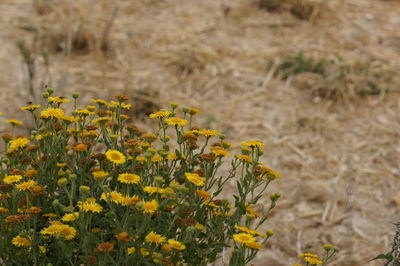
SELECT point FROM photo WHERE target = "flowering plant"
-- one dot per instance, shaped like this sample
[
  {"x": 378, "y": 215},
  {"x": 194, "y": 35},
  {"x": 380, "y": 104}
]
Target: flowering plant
[{"x": 87, "y": 188}]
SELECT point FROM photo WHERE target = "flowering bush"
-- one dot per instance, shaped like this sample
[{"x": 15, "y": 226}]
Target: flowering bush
[
  {"x": 87, "y": 188},
  {"x": 314, "y": 259}
]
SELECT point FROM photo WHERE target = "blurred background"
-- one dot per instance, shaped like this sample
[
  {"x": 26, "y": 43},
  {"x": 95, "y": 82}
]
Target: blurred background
[{"x": 316, "y": 80}]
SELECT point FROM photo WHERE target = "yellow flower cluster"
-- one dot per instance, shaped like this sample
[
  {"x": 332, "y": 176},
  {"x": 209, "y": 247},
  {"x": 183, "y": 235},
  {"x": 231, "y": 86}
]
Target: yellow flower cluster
[{"x": 89, "y": 187}]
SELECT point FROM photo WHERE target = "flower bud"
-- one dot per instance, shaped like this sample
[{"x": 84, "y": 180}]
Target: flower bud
[
  {"x": 75, "y": 95},
  {"x": 191, "y": 229},
  {"x": 84, "y": 189},
  {"x": 275, "y": 196},
  {"x": 139, "y": 204},
  {"x": 62, "y": 181},
  {"x": 174, "y": 105},
  {"x": 269, "y": 233},
  {"x": 159, "y": 179}
]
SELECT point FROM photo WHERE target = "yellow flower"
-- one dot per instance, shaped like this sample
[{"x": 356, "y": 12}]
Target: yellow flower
[
  {"x": 101, "y": 120},
  {"x": 90, "y": 205},
  {"x": 203, "y": 194},
  {"x": 20, "y": 241},
  {"x": 80, "y": 147},
  {"x": 194, "y": 111},
  {"x": 96, "y": 230},
  {"x": 70, "y": 217},
  {"x": 244, "y": 158},
  {"x": 253, "y": 143},
  {"x": 18, "y": 143},
  {"x": 104, "y": 247},
  {"x": 176, "y": 244},
  {"x": 51, "y": 215},
  {"x": 195, "y": 179},
  {"x": 129, "y": 200},
  {"x": 58, "y": 99},
  {"x": 68, "y": 232},
  {"x": 218, "y": 151},
  {"x": 4, "y": 210},
  {"x": 59, "y": 229},
  {"x": 131, "y": 250},
  {"x": 12, "y": 179},
  {"x": 25, "y": 185},
  {"x": 31, "y": 107},
  {"x": 155, "y": 238},
  {"x": 114, "y": 196},
  {"x": 252, "y": 212},
  {"x": 209, "y": 132},
  {"x": 156, "y": 158},
  {"x": 199, "y": 227},
  {"x": 140, "y": 159},
  {"x": 172, "y": 156},
  {"x": 115, "y": 157},
  {"x": 151, "y": 190},
  {"x": 255, "y": 245},
  {"x": 99, "y": 101},
  {"x": 50, "y": 113},
  {"x": 244, "y": 238},
  {"x": 144, "y": 252},
  {"x": 249, "y": 231},
  {"x": 70, "y": 119},
  {"x": 84, "y": 112},
  {"x": 14, "y": 122},
  {"x": 127, "y": 178},
  {"x": 313, "y": 261},
  {"x": 42, "y": 249},
  {"x": 304, "y": 255},
  {"x": 100, "y": 174},
  {"x": 176, "y": 121},
  {"x": 160, "y": 114},
  {"x": 150, "y": 206},
  {"x": 123, "y": 236}
]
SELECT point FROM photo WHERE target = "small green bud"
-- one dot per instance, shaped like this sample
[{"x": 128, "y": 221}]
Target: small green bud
[
  {"x": 158, "y": 256},
  {"x": 159, "y": 179},
  {"x": 72, "y": 176},
  {"x": 174, "y": 105},
  {"x": 269, "y": 233},
  {"x": 75, "y": 95},
  {"x": 275, "y": 196},
  {"x": 50, "y": 90},
  {"x": 185, "y": 109},
  {"x": 191, "y": 229},
  {"x": 222, "y": 136},
  {"x": 56, "y": 203},
  {"x": 139, "y": 204},
  {"x": 45, "y": 95}
]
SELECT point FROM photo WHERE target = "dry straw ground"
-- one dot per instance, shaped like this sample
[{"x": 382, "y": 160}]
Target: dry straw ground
[{"x": 337, "y": 151}]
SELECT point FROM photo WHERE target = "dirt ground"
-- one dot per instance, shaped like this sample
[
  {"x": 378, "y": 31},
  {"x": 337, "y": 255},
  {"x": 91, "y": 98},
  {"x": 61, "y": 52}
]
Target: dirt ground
[{"x": 339, "y": 160}]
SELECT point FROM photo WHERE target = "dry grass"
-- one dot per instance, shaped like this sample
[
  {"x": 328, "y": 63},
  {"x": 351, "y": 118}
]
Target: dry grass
[
  {"x": 307, "y": 10},
  {"x": 333, "y": 78},
  {"x": 339, "y": 162}
]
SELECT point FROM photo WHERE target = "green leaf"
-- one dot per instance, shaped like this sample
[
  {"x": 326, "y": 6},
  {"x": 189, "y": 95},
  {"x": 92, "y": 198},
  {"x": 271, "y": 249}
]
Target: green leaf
[{"x": 387, "y": 256}]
